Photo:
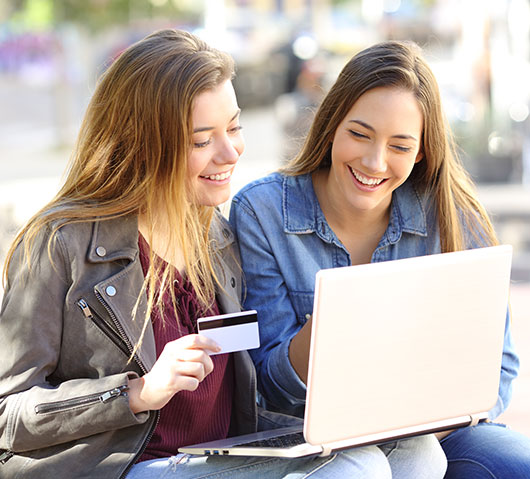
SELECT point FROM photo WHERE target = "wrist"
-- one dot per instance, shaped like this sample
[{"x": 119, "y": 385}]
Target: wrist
[{"x": 136, "y": 403}]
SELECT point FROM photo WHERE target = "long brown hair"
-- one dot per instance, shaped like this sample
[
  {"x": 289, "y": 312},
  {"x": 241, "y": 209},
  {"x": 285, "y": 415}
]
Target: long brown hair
[
  {"x": 132, "y": 150},
  {"x": 440, "y": 173}
]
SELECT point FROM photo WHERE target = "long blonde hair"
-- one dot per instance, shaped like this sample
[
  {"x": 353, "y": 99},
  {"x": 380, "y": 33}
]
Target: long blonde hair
[
  {"x": 440, "y": 173},
  {"x": 131, "y": 155}
]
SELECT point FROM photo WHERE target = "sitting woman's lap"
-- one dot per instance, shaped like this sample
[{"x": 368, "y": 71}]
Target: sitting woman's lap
[
  {"x": 488, "y": 450},
  {"x": 364, "y": 462},
  {"x": 420, "y": 458}
]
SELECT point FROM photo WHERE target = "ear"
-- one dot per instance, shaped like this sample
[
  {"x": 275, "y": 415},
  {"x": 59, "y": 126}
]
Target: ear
[{"x": 419, "y": 156}]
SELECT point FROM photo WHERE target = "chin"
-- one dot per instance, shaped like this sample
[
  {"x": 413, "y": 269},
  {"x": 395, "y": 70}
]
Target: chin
[{"x": 214, "y": 201}]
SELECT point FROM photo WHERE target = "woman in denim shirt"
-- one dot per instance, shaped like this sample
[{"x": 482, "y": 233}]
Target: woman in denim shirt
[{"x": 377, "y": 179}]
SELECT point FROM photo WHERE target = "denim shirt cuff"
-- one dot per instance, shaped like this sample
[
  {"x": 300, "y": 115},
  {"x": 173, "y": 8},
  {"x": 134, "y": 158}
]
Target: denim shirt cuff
[
  {"x": 497, "y": 409},
  {"x": 292, "y": 387}
]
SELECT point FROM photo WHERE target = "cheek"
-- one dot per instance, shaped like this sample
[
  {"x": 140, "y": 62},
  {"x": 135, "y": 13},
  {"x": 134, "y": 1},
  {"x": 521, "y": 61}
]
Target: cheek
[
  {"x": 336, "y": 150},
  {"x": 342, "y": 151},
  {"x": 403, "y": 169},
  {"x": 196, "y": 164}
]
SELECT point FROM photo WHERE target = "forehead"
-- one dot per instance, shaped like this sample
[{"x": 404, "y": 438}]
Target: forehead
[
  {"x": 214, "y": 103},
  {"x": 388, "y": 107}
]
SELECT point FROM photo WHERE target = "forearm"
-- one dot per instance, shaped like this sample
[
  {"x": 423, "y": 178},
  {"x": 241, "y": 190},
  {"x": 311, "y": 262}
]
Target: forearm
[
  {"x": 509, "y": 371},
  {"x": 46, "y": 396},
  {"x": 299, "y": 351},
  {"x": 75, "y": 409},
  {"x": 279, "y": 383}
]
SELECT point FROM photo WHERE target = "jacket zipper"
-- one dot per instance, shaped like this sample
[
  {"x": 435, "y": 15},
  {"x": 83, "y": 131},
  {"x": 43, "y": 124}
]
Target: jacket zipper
[
  {"x": 67, "y": 404},
  {"x": 103, "y": 326},
  {"x": 5, "y": 456},
  {"x": 121, "y": 331},
  {"x": 130, "y": 347},
  {"x": 144, "y": 446}
]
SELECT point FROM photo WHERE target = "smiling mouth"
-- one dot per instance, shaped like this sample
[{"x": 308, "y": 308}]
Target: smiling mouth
[
  {"x": 365, "y": 180},
  {"x": 218, "y": 177}
]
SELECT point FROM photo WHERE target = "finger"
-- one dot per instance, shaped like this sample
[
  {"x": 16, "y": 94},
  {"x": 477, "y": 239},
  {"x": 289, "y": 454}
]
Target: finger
[
  {"x": 191, "y": 369},
  {"x": 196, "y": 356},
  {"x": 197, "y": 341},
  {"x": 189, "y": 354},
  {"x": 188, "y": 383}
]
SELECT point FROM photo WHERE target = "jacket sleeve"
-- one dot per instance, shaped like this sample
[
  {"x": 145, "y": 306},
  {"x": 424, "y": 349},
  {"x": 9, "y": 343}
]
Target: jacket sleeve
[
  {"x": 266, "y": 292},
  {"x": 475, "y": 238},
  {"x": 35, "y": 413},
  {"x": 509, "y": 371}
]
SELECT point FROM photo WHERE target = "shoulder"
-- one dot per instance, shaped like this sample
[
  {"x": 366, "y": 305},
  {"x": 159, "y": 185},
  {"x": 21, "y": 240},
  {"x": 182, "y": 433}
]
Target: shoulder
[
  {"x": 97, "y": 240},
  {"x": 276, "y": 191},
  {"x": 261, "y": 189},
  {"x": 220, "y": 230}
]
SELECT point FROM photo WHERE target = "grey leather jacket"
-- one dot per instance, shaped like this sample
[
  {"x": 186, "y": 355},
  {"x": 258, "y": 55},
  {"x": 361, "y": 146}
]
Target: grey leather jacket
[{"x": 66, "y": 334}]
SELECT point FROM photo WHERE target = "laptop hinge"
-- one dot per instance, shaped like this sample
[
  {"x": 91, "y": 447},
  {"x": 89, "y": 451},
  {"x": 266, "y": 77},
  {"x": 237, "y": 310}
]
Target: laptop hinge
[
  {"x": 476, "y": 418},
  {"x": 326, "y": 450}
]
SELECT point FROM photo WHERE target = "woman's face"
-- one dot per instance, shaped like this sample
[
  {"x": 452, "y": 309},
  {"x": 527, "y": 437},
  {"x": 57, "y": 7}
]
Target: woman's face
[
  {"x": 375, "y": 148},
  {"x": 217, "y": 144}
]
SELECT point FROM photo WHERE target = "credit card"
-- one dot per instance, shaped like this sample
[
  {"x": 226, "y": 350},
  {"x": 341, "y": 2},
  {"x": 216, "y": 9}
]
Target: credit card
[{"x": 232, "y": 331}]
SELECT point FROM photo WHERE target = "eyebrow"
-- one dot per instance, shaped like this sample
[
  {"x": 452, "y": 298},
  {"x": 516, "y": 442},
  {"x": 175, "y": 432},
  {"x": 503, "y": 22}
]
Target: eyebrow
[
  {"x": 371, "y": 128},
  {"x": 209, "y": 128}
]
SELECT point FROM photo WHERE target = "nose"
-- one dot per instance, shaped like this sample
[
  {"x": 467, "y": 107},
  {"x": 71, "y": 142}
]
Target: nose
[
  {"x": 230, "y": 149},
  {"x": 375, "y": 159}
]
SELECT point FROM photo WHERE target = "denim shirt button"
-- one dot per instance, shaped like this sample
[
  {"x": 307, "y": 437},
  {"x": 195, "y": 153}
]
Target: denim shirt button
[
  {"x": 110, "y": 290},
  {"x": 308, "y": 316},
  {"x": 101, "y": 251}
]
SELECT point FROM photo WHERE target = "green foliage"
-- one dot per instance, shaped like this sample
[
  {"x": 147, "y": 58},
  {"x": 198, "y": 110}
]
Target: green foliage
[{"x": 98, "y": 14}]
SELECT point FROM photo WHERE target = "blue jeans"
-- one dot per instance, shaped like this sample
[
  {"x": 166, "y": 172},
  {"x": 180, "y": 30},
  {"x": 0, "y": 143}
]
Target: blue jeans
[
  {"x": 418, "y": 458},
  {"x": 487, "y": 451}
]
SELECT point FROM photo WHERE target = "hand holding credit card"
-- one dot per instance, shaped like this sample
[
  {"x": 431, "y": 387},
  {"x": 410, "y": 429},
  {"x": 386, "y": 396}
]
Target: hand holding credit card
[{"x": 233, "y": 331}]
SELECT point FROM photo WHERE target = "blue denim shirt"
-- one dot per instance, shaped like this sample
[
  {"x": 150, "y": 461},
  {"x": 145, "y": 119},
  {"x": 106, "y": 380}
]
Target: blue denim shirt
[{"x": 285, "y": 239}]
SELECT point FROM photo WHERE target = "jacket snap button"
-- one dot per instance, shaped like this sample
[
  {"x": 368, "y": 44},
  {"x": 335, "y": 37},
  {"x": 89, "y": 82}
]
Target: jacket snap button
[
  {"x": 101, "y": 251},
  {"x": 110, "y": 290},
  {"x": 233, "y": 282}
]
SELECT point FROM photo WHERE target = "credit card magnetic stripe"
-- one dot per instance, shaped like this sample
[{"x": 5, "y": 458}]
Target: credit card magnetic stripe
[{"x": 232, "y": 321}]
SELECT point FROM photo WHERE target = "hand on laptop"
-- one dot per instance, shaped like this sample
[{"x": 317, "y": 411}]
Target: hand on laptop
[{"x": 183, "y": 364}]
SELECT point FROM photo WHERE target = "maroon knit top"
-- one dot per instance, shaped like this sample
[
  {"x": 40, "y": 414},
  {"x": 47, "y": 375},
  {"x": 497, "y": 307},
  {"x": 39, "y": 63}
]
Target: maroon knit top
[{"x": 190, "y": 416}]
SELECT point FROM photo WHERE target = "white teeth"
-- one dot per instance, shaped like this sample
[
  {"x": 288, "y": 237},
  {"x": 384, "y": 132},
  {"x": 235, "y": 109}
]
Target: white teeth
[
  {"x": 222, "y": 176},
  {"x": 367, "y": 181}
]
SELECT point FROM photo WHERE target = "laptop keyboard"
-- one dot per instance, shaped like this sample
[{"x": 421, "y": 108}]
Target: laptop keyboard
[{"x": 287, "y": 440}]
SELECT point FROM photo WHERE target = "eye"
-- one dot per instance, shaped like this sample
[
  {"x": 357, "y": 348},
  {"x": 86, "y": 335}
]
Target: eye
[
  {"x": 235, "y": 129},
  {"x": 203, "y": 144},
  {"x": 403, "y": 149},
  {"x": 356, "y": 134}
]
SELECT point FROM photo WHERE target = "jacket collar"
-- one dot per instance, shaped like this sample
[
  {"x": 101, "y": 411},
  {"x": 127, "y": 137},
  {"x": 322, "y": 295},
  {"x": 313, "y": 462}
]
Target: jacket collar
[
  {"x": 114, "y": 239},
  {"x": 118, "y": 238},
  {"x": 302, "y": 213}
]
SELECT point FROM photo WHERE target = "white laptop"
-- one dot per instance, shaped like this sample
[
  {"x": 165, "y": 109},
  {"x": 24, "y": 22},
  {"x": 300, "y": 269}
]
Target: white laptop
[{"x": 398, "y": 348}]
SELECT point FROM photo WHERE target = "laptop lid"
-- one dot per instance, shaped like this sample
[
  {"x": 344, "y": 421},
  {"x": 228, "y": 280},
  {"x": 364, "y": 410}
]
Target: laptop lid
[{"x": 404, "y": 343}]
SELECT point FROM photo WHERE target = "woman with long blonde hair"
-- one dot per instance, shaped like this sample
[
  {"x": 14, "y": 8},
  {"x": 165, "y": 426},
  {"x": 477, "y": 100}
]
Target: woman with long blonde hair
[
  {"x": 377, "y": 179},
  {"x": 102, "y": 372}
]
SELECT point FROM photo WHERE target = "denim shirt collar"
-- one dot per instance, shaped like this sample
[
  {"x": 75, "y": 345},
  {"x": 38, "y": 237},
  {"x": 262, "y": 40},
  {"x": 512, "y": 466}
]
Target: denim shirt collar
[{"x": 302, "y": 213}]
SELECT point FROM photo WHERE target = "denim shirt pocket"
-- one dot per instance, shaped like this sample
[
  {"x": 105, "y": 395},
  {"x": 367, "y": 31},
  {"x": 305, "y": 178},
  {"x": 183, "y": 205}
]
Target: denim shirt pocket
[{"x": 302, "y": 304}]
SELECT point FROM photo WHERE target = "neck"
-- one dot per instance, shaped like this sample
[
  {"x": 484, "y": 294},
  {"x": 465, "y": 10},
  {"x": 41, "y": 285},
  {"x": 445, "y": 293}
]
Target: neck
[
  {"x": 158, "y": 237},
  {"x": 359, "y": 230}
]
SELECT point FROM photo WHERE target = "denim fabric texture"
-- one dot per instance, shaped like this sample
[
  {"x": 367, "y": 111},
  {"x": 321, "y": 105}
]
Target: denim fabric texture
[
  {"x": 487, "y": 451},
  {"x": 419, "y": 458},
  {"x": 284, "y": 239}
]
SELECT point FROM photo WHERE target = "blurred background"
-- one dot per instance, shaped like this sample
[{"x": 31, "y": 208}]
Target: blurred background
[{"x": 288, "y": 52}]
